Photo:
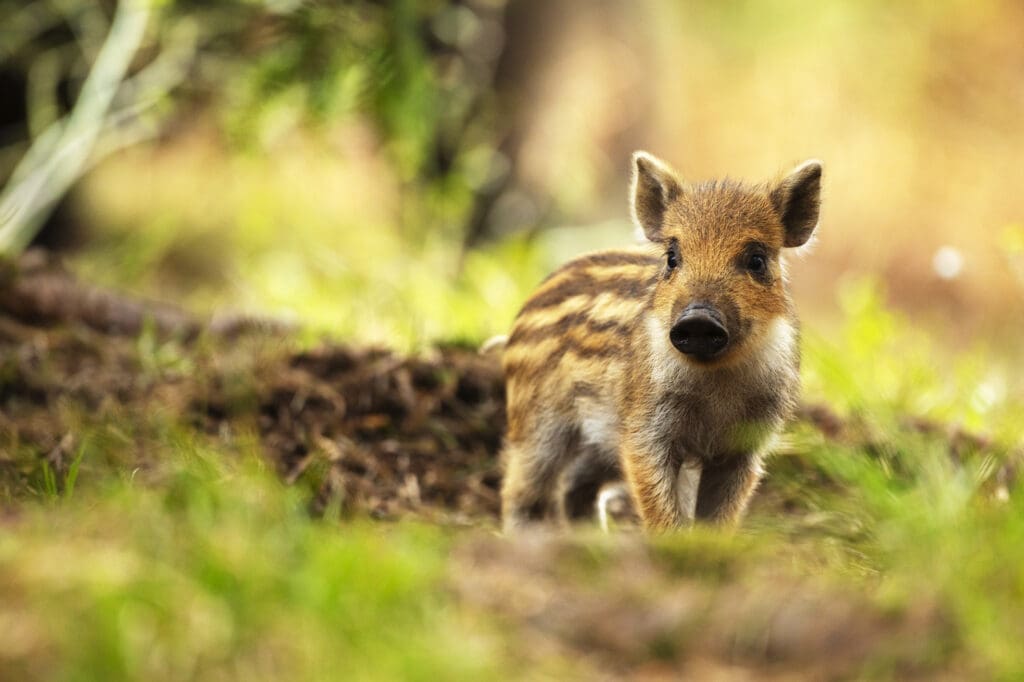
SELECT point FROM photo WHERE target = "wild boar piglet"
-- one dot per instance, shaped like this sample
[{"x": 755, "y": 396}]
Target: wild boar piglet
[{"x": 672, "y": 364}]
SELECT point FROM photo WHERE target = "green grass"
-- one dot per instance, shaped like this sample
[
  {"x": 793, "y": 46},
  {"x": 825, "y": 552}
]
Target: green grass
[
  {"x": 202, "y": 565},
  {"x": 214, "y": 570},
  {"x": 229, "y": 233}
]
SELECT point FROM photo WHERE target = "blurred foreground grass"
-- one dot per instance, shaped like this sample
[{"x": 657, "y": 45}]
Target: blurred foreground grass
[
  {"x": 892, "y": 555},
  {"x": 217, "y": 572}
]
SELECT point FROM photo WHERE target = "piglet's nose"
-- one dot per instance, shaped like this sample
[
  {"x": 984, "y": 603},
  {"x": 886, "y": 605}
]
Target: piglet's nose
[{"x": 699, "y": 332}]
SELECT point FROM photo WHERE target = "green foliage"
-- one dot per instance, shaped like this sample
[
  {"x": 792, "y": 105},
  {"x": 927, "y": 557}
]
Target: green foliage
[
  {"x": 267, "y": 244},
  {"x": 925, "y": 531},
  {"x": 265, "y": 71},
  {"x": 313, "y": 65},
  {"x": 219, "y": 573},
  {"x": 884, "y": 368}
]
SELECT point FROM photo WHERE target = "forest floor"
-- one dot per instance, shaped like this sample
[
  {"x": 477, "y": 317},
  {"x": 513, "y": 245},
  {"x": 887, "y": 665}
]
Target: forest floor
[
  {"x": 98, "y": 387},
  {"x": 387, "y": 436}
]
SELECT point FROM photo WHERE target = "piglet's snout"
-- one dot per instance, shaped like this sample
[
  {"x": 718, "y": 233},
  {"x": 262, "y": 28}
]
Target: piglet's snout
[{"x": 699, "y": 332}]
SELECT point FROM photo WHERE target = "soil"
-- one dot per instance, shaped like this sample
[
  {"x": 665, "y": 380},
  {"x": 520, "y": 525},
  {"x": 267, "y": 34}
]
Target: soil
[{"x": 386, "y": 435}]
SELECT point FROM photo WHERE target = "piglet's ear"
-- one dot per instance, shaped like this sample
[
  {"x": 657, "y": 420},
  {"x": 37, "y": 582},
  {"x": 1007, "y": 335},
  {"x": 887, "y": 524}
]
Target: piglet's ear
[
  {"x": 797, "y": 199},
  {"x": 654, "y": 187}
]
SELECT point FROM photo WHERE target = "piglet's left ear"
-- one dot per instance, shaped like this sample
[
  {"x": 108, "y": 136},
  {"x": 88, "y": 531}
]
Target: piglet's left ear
[{"x": 797, "y": 199}]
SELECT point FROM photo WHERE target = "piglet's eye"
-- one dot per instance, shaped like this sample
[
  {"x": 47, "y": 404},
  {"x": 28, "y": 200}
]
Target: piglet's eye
[
  {"x": 757, "y": 264},
  {"x": 672, "y": 259}
]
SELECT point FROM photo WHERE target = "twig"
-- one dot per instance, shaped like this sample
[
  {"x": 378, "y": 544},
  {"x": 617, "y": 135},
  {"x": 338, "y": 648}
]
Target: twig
[{"x": 35, "y": 189}]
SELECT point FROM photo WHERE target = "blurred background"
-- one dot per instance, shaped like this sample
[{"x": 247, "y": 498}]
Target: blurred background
[{"x": 406, "y": 172}]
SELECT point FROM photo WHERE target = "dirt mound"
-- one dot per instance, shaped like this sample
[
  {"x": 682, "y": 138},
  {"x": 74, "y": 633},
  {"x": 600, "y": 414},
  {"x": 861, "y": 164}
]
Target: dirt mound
[{"x": 384, "y": 434}]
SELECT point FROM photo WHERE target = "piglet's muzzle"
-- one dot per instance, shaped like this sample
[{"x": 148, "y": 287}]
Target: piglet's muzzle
[{"x": 699, "y": 332}]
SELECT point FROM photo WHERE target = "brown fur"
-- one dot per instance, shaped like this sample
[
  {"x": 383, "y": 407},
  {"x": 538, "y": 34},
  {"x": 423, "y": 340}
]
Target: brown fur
[{"x": 596, "y": 390}]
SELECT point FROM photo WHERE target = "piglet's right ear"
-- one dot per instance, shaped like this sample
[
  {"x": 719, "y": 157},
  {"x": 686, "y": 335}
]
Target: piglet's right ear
[{"x": 654, "y": 187}]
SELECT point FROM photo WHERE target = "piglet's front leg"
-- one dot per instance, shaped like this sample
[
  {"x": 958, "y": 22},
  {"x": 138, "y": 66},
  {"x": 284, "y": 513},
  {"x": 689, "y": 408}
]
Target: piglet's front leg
[
  {"x": 652, "y": 479},
  {"x": 726, "y": 487}
]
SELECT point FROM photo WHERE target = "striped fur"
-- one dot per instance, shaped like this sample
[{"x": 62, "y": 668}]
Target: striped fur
[{"x": 596, "y": 390}]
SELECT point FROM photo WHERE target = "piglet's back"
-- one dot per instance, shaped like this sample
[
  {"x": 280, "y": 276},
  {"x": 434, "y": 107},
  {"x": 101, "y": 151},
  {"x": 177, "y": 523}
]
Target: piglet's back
[{"x": 585, "y": 313}]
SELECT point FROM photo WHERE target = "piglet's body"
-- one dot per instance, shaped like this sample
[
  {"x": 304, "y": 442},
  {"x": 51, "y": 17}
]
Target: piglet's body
[{"x": 672, "y": 364}]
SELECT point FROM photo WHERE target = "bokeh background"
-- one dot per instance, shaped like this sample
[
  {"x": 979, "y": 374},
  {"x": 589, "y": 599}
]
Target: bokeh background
[
  {"x": 188, "y": 502},
  {"x": 404, "y": 172}
]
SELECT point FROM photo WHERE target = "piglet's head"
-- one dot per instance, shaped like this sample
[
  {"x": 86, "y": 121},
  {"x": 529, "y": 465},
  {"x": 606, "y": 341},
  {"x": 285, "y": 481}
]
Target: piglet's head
[{"x": 722, "y": 283}]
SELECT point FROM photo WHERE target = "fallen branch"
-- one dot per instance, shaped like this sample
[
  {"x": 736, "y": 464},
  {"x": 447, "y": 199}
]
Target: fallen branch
[{"x": 37, "y": 289}]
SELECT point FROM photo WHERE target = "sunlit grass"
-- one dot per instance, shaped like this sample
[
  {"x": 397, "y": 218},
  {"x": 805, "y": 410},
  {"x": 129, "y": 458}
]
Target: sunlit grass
[
  {"x": 878, "y": 365},
  {"x": 234, "y": 234},
  {"x": 217, "y": 571}
]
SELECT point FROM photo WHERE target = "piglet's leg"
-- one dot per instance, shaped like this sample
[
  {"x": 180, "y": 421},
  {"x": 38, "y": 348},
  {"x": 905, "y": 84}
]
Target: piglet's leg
[
  {"x": 584, "y": 478},
  {"x": 653, "y": 481},
  {"x": 726, "y": 488},
  {"x": 532, "y": 467}
]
